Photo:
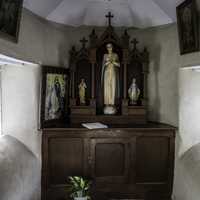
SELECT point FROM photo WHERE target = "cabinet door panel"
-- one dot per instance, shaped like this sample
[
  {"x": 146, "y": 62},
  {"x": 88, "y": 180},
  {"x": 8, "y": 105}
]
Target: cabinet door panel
[
  {"x": 66, "y": 158},
  {"x": 111, "y": 163},
  {"x": 152, "y": 162},
  {"x": 110, "y": 159}
]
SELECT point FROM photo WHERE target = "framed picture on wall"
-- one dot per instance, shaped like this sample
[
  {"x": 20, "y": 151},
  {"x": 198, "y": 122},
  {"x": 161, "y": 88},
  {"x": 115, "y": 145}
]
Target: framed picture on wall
[
  {"x": 188, "y": 29},
  {"x": 10, "y": 17},
  {"x": 54, "y": 97}
]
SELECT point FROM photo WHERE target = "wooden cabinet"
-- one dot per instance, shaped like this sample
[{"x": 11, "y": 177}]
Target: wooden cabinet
[{"x": 125, "y": 162}]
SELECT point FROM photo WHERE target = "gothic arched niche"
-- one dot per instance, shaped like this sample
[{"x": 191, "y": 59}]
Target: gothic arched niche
[
  {"x": 83, "y": 71},
  {"x": 88, "y": 65},
  {"x": 101, "y": 50}
]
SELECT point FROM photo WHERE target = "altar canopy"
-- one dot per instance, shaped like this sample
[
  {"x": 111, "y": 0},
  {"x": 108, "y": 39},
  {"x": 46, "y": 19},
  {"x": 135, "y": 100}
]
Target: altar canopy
[{"x": 130, "y": 63}]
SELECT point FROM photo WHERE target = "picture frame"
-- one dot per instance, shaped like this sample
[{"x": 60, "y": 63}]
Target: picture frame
[
  {"x": 54, "y": 97},
  {"x": 10, "y": 18},
  {"x": 188, "y": 29}
]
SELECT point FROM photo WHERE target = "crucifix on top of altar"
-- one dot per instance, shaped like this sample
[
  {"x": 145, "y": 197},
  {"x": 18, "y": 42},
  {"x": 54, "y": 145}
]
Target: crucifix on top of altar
[{"x": 108, "y": 79}]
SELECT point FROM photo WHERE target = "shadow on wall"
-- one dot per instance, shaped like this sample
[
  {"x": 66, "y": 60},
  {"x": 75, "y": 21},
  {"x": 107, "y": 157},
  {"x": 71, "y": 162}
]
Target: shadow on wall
[
  {"x": 19, "y": 178},
  {"x": 154, "y": 82},
  {"x": 63, "y": 55},
  {"x": 187, "y": 176},
  {"x": 156, "y": 72}
]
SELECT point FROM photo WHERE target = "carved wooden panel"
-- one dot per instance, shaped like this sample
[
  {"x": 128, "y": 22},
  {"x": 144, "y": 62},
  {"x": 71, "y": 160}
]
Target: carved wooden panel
[
  {"x": 152, "y": 162},
  {"x": 115, "y": 155},
  {"x": 62, "y": 152},
  {"x": 112, "y": 152}
]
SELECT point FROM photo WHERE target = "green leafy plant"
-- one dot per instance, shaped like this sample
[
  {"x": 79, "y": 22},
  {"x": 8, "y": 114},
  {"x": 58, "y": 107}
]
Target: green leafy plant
[{"x": 79, "y": 187}]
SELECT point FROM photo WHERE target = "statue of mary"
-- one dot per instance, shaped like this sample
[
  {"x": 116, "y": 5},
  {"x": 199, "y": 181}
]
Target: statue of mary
[{"x": 110, "y": 80}]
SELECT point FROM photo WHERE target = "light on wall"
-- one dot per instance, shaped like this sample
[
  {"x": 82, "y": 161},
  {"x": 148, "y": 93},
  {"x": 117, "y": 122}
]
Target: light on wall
[
  {"x": 195, "y": 68},
  {"x": 6, "y": 60}
]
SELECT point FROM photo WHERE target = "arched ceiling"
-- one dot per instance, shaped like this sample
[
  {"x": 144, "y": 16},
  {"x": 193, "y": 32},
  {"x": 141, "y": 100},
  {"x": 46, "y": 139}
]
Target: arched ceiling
[{"x": 129, "y": 13}]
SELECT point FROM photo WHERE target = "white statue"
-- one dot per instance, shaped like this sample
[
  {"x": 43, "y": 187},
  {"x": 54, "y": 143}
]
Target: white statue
[
  {"x": 110, "y": 80},
  {"x": 82, "y": 87},
  {"x": 133, "y": 92}
]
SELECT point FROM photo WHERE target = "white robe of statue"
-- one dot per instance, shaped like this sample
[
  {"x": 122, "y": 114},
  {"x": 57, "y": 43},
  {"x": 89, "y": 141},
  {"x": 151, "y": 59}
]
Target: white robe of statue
[{"x": 110, "y": 79}]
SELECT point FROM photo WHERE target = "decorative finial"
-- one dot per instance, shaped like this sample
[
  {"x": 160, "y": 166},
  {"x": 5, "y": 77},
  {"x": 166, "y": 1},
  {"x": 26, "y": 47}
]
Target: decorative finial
[
  {"x": 109, "y": 16},
  {"x": 83, "y": 41},
  {"x": 134, "y": 42}
]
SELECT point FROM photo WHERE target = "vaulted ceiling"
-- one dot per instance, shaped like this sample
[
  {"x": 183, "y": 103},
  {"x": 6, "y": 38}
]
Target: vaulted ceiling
[{"x": 130, "y": 13}]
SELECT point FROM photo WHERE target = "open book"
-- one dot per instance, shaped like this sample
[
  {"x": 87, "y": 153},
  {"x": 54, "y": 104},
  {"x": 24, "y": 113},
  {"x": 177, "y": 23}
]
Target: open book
[{"x": 96, "y": 125}]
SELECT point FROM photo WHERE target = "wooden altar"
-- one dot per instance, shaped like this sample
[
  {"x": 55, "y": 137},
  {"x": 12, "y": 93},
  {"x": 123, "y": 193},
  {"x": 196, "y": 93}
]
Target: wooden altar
[
  {"x": 87, "y": 63},
  {"x": 132, "y": 158}
]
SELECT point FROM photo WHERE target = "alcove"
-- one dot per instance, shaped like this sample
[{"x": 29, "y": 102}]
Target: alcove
[
  {"x": 20, "y": 165},
  {"x": 189, "y": 107}
]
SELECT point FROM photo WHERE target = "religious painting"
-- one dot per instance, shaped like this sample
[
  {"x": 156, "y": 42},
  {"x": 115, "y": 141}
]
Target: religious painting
[
  {"x": 54, "y": 90},
  {"x": 187, "y": 19},
  {"x": 10, "y": 15}
]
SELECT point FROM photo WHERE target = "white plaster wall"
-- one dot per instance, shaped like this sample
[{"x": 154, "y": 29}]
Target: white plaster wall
[
  {"x": 18, "y": 171},
  {"x": 20, "y": 103},
  {"x": 187, "y": 177},
  {"x": 43, "y": 42},
  {"x": 20, "y": 117},
  {"x": 189, "y": 108},
  {"x": 0, "y": 103}
]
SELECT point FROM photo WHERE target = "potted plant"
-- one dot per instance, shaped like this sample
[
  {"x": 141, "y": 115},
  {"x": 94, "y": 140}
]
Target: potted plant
[{"x": 79, "y": 188}]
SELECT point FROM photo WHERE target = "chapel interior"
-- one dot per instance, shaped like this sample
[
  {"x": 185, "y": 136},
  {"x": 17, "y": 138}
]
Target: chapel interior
[{"x": 106, "y": 90}]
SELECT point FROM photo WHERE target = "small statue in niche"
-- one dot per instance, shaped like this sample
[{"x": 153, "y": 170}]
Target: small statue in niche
[
  {"x": 133, "y": 92},
  {"x": 82, "y": 87}
]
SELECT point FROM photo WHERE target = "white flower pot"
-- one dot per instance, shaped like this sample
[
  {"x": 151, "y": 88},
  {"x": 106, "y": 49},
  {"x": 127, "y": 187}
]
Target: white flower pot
[{"x": 80, "y": 198}]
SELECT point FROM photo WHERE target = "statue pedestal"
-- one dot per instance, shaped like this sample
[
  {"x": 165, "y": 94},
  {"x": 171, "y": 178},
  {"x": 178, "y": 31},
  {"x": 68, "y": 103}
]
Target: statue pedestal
[
  {"x": 83, "y": 109},
  {"x": 139, "y": 113},
  {"x": 109, "y": 110}
]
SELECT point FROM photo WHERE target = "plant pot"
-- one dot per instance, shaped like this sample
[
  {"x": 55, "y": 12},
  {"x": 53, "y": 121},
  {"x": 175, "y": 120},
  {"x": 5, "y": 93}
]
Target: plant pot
[{"x": 80, "y": 198}]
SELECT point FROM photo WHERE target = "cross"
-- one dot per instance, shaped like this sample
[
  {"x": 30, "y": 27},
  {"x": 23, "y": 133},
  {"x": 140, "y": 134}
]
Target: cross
[
  {"x": 83, "y": 41},
  {"x": 134, "y": 42},
  {"x": 109, "y": 16}
]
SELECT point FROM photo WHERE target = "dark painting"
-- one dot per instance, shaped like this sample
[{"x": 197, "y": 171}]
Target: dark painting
[
  {"x": 10, "y": 15},
  {"x": 187, "y": 19}
]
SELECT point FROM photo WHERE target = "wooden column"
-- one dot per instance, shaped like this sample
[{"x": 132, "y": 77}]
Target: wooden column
[
  {"x": 125, "y": 99},
  {"x": 93, "y": 80},
  {"x": 93, "y": 62},
  {"x": 125, "y": 81},
  {"x": 73, "y": 83},
  {"x": 72, "y": 99},
  {"x": 145, "y": 73},
  {"x": 145, "y": 83},
  {"x": 125, "y": 63}
]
